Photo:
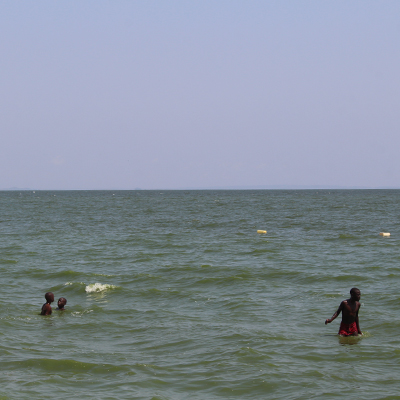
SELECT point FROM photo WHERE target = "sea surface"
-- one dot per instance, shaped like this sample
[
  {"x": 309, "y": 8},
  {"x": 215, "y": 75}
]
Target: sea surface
[{"x": 174, "y": 294}]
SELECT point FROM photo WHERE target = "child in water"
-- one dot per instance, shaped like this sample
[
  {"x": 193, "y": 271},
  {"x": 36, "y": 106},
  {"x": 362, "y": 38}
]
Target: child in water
[
  {"x": 349, "y": 309},
  {"x": 62, "y": 301},
  {"x": 46, "y": 308}
]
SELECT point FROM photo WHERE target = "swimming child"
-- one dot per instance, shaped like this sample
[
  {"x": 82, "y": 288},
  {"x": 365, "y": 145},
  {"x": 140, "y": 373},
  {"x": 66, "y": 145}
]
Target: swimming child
[
  {"x": 62, "y": 301},
  {"x": 349, "y": 308},
  {"x": 46, "y": 308}
]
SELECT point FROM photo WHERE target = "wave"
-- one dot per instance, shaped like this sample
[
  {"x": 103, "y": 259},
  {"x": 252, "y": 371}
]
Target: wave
[
  {"x": 89, "y": 288},
  {"x": 74, "y": 284},
  {"x": 7, "y": 261},
  {"x": 65, "y": 365},
  {"x": 98, "y": 287}
]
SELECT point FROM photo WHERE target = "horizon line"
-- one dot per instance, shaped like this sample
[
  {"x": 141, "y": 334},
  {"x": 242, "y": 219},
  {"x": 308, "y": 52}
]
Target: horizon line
[{"x": 272, "y": 187}]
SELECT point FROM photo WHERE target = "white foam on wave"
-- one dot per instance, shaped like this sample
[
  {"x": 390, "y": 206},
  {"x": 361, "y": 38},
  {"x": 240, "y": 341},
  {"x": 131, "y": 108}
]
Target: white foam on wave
[
  {"x": 81, "y": 313},
  {"x": 72, "y": 283},
  {"x": 98, "y": 287}
]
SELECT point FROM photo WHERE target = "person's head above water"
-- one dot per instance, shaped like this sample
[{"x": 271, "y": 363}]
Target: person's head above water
[
  {"x": 49, "y": 296},
  {"x": 62, "y": 301},
  {"x": 355, "y": 294},
  {"x": 46, "y": 308}
]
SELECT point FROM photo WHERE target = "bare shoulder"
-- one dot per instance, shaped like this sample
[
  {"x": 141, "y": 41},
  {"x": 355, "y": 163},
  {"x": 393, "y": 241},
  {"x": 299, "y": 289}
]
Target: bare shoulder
[{"x": 46, "y": 309}]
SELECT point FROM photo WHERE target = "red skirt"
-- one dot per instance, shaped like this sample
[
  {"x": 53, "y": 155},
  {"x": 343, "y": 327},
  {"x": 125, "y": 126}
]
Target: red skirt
[{"x": 348, "y": 329}]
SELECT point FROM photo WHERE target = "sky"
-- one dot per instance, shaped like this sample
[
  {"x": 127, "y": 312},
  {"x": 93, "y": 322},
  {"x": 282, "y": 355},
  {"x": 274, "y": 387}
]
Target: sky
[{"x": 199, "y": 94}]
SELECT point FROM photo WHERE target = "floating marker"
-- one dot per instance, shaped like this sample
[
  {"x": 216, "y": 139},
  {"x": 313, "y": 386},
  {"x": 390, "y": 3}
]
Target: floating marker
[
  {"x": 260, "y": 231},
  {"x": 384, "y": 233}
]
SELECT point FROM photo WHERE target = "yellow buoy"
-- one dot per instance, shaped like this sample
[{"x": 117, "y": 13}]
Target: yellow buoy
[
  {"x": 260, "y": 231},
  {"x": 384, "y": 233}
]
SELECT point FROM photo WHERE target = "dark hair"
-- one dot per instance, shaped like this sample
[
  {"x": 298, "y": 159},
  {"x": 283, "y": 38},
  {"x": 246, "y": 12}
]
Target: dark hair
[
  {"x": 48, "y": 296},
  {"x": 63, "y": 299},
  {"x": 354, "y": 289}
]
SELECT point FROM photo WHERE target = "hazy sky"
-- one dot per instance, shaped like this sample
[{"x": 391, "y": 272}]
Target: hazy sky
[{"x": 199, "y": 94}]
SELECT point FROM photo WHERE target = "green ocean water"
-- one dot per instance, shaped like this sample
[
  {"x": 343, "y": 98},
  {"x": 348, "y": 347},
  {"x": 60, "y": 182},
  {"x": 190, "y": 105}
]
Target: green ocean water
[{"x": 174, "y": 294}]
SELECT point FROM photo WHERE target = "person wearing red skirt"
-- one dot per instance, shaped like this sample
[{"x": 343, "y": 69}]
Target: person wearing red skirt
[{"x": 349, "y": 309}]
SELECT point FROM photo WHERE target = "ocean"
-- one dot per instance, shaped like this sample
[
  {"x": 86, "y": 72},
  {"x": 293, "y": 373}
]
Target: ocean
[{"x": 174, "y": 294}]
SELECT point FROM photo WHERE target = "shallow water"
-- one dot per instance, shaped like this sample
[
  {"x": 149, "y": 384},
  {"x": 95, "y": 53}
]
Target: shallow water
[{"x": 174, "y": 295}]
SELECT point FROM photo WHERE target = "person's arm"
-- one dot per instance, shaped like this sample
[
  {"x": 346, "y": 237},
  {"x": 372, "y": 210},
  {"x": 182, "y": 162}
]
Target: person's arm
[
  {"x": 357, "y": 323},
  {"x": 329, "y": 320}
]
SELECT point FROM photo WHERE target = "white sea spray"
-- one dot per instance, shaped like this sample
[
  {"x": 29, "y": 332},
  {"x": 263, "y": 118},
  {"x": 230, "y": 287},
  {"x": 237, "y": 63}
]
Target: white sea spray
[
  {"x": 73, "y": 283},
  {"x": 98, "y": 287}
]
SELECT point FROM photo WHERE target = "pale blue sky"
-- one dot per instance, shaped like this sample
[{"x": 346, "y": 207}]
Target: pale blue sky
[{"x": 199, "y": 94}]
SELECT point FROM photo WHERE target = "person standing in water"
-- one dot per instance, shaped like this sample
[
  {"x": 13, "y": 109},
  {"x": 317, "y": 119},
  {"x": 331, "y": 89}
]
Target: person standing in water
[
  {"x": 349, "y": 309},
  {"x": 46, "y": 308}
]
